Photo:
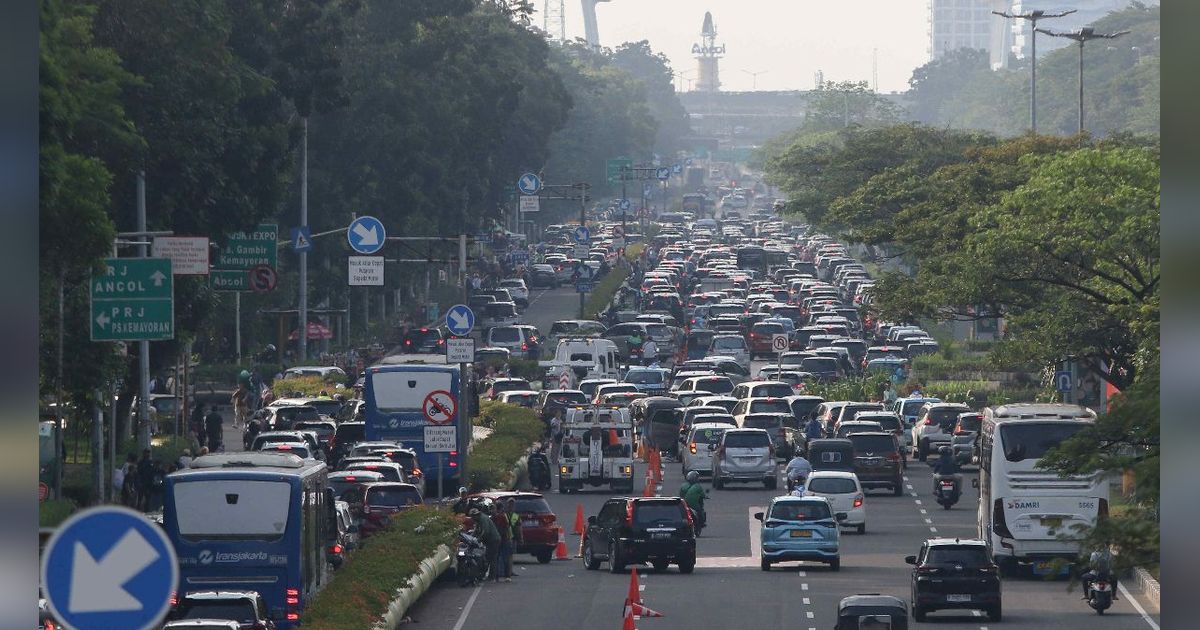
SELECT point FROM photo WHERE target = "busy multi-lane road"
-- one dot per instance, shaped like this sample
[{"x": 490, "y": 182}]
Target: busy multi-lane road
[{"x": 728, "y": 589}]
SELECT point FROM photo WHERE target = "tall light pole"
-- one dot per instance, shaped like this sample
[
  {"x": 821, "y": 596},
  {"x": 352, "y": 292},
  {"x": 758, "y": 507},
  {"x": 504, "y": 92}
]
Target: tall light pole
[
  {"x": 755, "y": 76},
  {"x": 1033, "y": 17},
  {"x": 1083, "y": 35}
]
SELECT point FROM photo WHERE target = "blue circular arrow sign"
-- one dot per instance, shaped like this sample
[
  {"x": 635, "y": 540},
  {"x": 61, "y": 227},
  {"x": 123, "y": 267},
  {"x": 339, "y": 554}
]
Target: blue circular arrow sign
[
  {"x": 460, "y": 319},
  {"x": 529, "y": 184},
  {"x": 582, "y": 235},
  {"x": 366, "y": 235},
  {"x": 109, "y": 567}
]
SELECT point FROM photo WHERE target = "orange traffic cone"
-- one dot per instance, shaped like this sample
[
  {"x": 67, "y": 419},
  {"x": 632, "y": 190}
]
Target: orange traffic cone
[
  {"x": 579, "y": 520},
  {"x": 656, "y": 464},
  {"x": 560, "y": 550},
  {"x": 640, "y": 610},
  {"x": 635, "y": 590},
  {"x": 648, "y": 491},
  {"x": 628, "y": 625}
]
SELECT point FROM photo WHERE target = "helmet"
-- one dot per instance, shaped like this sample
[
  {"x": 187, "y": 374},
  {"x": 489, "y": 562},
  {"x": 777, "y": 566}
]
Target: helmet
[
  {"x": 945, "y": 451},
  {"x": 473, "y": 512},
  {"x": 462, "y": 490},
  {"x": 693, "y": 476}
]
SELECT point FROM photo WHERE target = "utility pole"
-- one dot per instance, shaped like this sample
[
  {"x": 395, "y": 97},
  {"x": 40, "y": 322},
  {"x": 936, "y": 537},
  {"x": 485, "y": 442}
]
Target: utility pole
[
  {"x": 754, "y": 75},
  {"x": 143, "y": 432},
  {"x": 1032, "y": 17},
  {"x": 1082, "y": 35},
  {"x": 583, "y": 223},
  {"x": 303, "y": 298}
]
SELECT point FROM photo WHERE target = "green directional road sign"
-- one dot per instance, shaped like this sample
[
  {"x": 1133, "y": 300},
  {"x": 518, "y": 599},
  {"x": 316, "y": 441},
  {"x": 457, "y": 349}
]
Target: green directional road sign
[
  {"x": 133, "y": 300},
  {"x": 614, "y": 169},
  {"x": 244, "y": 251}
]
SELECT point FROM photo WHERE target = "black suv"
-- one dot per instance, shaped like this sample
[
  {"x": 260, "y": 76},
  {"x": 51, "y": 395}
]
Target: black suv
[
  {"x": 344, "y": 438},
  {"x": 954, "y": 573},
  {"x": 636, "y": 530},
  {"x": 877, "y": 461}
]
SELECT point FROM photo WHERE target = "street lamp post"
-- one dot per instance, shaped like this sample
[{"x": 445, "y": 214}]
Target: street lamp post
[
  {"x": 1082, "y": 35},
  {"x": 1033, "y": 17},
  {"x": 754, "y": 76}
]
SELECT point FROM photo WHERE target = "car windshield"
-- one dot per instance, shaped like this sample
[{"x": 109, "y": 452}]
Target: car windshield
[
  {"x": 747, "y": 440},
  {"x": 236, "y": 610},
  {"x": 762, "y": 421},
  {"x": 500, "y": 309},
  {"x": 945, "y": 416},
  {"x": 288, "y": 415},
  {"x": 568, "y": 398},
  {"x": 832, "y": 485},
  {"x": 769, "y": 406},
  {"x": 969, "y": 423},
  {"x": 1031, "y": 441},
  {"x": 729, "y": 343},
  {"x": 912, "y": 408},
  {"x": 322, "y": 429},
  {"x": 535, "y": 505},
  {"x": 392, "y": 497},
  {"x": 768, "y": 329},
  {"x": 715, "y": 385},
  {"x": 341, "y": 485},
  {"x": 505, "y": 334},
  {"x": 774, "y": 390},
  {"x": 872, "y": 443},
  {"x": 889, "y": 423},
  {"x": 645, "y": 377},
  {"x": 966, "y": 555},
  {"x": 658, "y": 513},
  {"x": 350, "y": 433},
  {"x": 799, "y": 511},
  {"x": 801, "y": 408},
  {"x": 423, "y": 335}
]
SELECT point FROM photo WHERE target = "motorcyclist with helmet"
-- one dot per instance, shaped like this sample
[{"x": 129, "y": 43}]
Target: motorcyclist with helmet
[
  {"x": 1099, "y": 567},
  {"x": 693, "y": 494},
  {"x": 798, "y": 470},
  {"x": 946, "y": 466}
]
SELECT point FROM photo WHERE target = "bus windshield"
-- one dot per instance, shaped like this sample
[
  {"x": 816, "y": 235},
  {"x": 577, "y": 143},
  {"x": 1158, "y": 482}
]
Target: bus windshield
[
  {"x": 229, "y": 509},
  {"x": 1032, "y": 440}
]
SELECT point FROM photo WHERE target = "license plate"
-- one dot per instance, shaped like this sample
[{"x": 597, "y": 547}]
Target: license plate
[
  {"x": 801, "y": 533},
  {"x": 958, "y": 598},
  {"x": 529, "y": 523},
  {"x": 1046, "y": 567},
  {"x": 1053, "y": 523},
  {"x": 660, "y": 535}
]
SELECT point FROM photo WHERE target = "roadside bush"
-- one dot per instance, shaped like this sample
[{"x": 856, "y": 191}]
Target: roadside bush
[
  {"x": 306, "y": 385},
  {"x": 360, "y": 592},
  {"x": 514, "y": 430},
  {"x": 54, "y": 511},
  {"x": 228, "y": 372},
  {"x": 604, "y": 291},
  {"x": 853, "y": 388}
]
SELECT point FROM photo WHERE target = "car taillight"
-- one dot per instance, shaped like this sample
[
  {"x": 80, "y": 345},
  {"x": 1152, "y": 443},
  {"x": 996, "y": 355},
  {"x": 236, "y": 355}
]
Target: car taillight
[
  {"x": 629, "y": 513},
  {"x": 547, "y": 519},
  {"x": 349, "y": 478},
  {"x": 928, "y": 422},
  {"x": 858, "y": 501},
  {"x": 926, "y": 570},
  {"x": 293, "y": 616},
  {"x": 441, "y": 342},
  {"x": 893, "y": 457},
  {"x": 688, "y": 512},
  {"x": 292, "y": 597},
  {"x": 524, "y": 346},
  {"x": 692, "y": 448},
  {"x": 336, "y": 549},
  {"x": 174, "y": 598},
  {"x": 408, "y": 342}
]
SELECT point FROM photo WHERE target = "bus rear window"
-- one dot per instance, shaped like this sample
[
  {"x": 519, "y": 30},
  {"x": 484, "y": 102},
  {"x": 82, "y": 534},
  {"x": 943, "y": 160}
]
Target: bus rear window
[
  {"x": 406, "y": 391},
  {"x": 232, "y": 509}
]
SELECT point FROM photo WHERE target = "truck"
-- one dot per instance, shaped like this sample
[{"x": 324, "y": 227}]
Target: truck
[
  {"x": 596, "y": 449},
  {"x": 423, "y": 403},
  {"x": 694, "y": 203}
]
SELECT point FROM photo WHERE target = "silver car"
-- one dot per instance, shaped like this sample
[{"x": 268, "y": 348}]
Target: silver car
[
  {"x": 731, "y": 346},
  {"x": 696, "y": 454},
  {"x": 744, "y": 455}
]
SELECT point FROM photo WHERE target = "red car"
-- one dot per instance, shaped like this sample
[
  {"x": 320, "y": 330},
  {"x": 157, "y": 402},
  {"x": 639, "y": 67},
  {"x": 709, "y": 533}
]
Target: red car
[
  {"x": 375, "y": 503},
  {"x": 759, "y": 338},
  {"x": 539, "y": 525}
]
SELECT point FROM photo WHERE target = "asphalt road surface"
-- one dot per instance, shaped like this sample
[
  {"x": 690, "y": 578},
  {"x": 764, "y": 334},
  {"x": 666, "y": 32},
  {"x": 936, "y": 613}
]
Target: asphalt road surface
[{"x": 728, "y": 589}]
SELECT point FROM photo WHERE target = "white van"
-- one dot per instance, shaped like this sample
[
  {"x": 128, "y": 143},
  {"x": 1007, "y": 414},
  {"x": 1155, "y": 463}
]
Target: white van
[{"x": 588, "y": 357}]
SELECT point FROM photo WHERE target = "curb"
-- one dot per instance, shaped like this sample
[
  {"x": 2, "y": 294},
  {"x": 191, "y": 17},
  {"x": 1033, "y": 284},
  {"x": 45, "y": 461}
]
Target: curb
[
  {"x": 429, "y": 570},
  {"x": 519, "y": 471},
  {"x": 1148, "y": 586}
]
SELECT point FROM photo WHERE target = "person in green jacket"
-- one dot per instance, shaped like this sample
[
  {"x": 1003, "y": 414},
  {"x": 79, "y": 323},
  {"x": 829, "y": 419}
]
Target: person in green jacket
[
  {"x": 487, "y": 533},
  {"x": 693, "y": 494}
]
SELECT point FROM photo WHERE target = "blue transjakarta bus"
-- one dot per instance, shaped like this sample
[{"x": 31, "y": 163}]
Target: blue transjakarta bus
[
  {"x": 409, "y": 397},
  {"x": 252, "y": 521}
]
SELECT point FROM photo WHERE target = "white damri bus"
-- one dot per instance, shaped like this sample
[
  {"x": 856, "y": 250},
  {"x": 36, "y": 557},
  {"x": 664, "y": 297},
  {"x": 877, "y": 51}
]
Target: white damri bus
[{"x": 1025, "y": 512}]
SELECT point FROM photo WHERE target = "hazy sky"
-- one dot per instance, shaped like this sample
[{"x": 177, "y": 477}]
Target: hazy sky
[{"x": 788, "y": 39}]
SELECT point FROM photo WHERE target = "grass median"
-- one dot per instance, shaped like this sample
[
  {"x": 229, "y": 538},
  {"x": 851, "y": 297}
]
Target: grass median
[
  {"x": 359, "y": 594},
  {"x": 514, "y": 430}
]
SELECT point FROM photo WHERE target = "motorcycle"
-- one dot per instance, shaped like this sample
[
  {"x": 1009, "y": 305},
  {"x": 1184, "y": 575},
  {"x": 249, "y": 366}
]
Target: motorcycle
[
  {"x": 471, "y": 565},
  {"x": 946, "y": 490},
  {"x": 539, "y": 471},
  {"x": 1099, "y": 593},
  {"x": 699, "y": 518},
  {"x": 794, "y": 478}
]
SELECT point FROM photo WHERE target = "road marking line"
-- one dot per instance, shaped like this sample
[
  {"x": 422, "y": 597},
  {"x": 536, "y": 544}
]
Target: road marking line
[
  {"x": 929, "y": 521},
  {"x": 908, "y": 485},
  {"x": 906, "y": 477},
  {"x": 462, "y": 619},
  {"x": 915, "y": 494},
  {"x": 804, "y": 586},
  {"x": 976, "y": 613},
  {"x": 1136, "y": 606},
  {"x": 810, "y": 614},
  {"x": 807, "y": 601},
  {"x": 933, "y": 529},
  {"x": 802, "y": 574},
  {"x": 918, "y": 502}
]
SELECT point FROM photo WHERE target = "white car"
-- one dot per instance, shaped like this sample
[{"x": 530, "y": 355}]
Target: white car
[
  {"x": 517, "y": 289},
  {"x": 731, "y": 346},
  {"x": 845, "y": 495},
  {"x": 696, "y": 454},
  {"x": 934, "y": 427}
]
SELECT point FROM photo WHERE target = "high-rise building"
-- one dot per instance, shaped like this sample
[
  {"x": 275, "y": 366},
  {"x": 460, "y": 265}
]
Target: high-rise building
[{"x": 955, "y": 24}]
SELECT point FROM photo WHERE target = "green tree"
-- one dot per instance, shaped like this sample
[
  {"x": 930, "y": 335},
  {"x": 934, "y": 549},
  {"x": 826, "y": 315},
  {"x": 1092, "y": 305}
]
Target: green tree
[
  {"x": 654, "y": 71},
  {"x": 842, "y": 104},
  {"x": 938, "y": 83}
]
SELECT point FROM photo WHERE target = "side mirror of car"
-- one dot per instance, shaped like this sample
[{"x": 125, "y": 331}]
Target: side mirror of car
[
  {"x": 975, "y": 482},
  {"x": 910, "y": 559},
  {"x": 758, "y": 516},
  {"x": 591, "y": 520}
]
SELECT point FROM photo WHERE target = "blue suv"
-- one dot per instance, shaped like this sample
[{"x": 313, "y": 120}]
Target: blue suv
[{"x": 800, "y": 528}]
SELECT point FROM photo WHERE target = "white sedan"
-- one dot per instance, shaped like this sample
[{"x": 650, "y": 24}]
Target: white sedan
[{"x": 845, "y": 494}]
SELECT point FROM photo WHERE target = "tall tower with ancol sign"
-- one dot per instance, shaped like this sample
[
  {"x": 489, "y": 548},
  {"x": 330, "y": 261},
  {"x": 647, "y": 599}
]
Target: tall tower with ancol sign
[{"x": 708, "y": 54}]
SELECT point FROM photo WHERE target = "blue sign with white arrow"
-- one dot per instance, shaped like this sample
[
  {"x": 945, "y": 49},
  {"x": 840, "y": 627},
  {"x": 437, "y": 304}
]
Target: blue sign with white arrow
[
  {"x": 676, "y": 168},
  {"x": 366, "y": 235},
  {"x": 1062, "y": 381},
  {"x": 663, "y": 173},
  {"x": 529, "y": 184},
  {"x": 624, "y": 204},
  {"x": 301, "y": 239},
  {"x": 460, "y": 319},
  {"x": 109, "y": 567},
  {"x": 581, "y": 235}
]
